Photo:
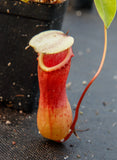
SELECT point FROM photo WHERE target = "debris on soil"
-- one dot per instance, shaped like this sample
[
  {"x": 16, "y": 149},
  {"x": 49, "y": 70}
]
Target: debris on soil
[
  {"x": 68, "y": 85},
  {"x": 115, "y": 77},
  {"x": 8, "y": 116},
  {"x": 108, "y": 148},
  {"x": 8, "y": 122},
  {"x": 66, "y": 157},
  {"x": 19, "y": 104},
  {"x": 8, "y": 11},
  {"x": 1, "y": 98},
  {"x": 81, "y": 113},
  {"x": 114, "y": 124},
  {"x": 9, "y": 64},
  {"x": 71, "y": 145},
  {"x": 89, "y": 141},
  {"x": 104, "y": 103},
  {"x": 78, "y": 13},
  {"x": 78, "y": 156},
  {"x": 20, "y": 111},
  {"x": 13, "y": 143},
  {"x": 97, "y": 113},
  {"x": 84, "y": 82}
]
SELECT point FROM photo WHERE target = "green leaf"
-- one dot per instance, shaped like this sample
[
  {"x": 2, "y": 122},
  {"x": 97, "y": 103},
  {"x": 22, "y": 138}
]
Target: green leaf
[
  {"x": 116, "y": 4},
  {"x": 107, "y": 10}
]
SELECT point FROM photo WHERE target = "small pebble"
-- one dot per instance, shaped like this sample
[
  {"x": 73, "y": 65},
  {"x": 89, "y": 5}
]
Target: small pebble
[
  {"x": 29, "y": 117},
  {"x": 4, "y": 117},
  {"x": 9, "y": 64},
  {"x": 31, "y": 75},
  {"x": 13, "y": 83},
  {"x": 1, "y": 98},
  {"x": 89, "y": 141},
  {"x": 104, "y": 103},
  {"x": 114, "y": 124},
  {"x": 78, "y": 13},
  {"x": 15, "y": 4},
  {"x": 84, "y": 82},
  {"x": 8, "y": 122},
  {"x": 28, "y": 95},
  {"x": 78, "y": 156},
  {"x": 62, "y": 140},
  {"x": 66, "y": 157},
  {"x": 13, "y": 142},
  {"x": 20, "y": 111},
  {"x": 81, "y": 113},
  {"x": 92, "y": 155},
  {"x": 19, "y": 104},
  {"x": 22, "y": 89},
  {"x": 24, "y": 35},
  {"x": 115, "y": 77},
  {"x": 8, "y": 11},
  {"x": 37, "y": 25},
  {"x": 112, "y": 110},
  {"x": 68, "y": 85}
]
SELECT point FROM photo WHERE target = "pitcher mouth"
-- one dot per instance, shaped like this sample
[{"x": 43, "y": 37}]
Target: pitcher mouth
[{"x": 57, "y": 66}]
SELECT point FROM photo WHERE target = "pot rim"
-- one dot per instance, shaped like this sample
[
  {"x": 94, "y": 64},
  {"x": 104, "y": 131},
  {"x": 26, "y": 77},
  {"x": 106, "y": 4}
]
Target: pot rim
[{"x": 33, "y": 10}]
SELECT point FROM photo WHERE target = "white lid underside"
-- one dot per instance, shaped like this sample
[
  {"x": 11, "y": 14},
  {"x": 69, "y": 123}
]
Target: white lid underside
[{"x": 51, "y": 41}]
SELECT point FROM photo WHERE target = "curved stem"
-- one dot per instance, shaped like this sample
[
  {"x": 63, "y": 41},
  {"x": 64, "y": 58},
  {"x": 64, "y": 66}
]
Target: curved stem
[{"x": 87, "y": 87}]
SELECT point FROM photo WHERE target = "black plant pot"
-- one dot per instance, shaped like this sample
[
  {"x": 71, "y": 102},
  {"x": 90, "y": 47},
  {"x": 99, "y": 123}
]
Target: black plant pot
[
  {"x": 18, "y": 67},
  {"x": 81, "y": 4}
]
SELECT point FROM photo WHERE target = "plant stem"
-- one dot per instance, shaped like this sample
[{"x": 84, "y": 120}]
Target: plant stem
[{"x": 72, "y": 129}]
